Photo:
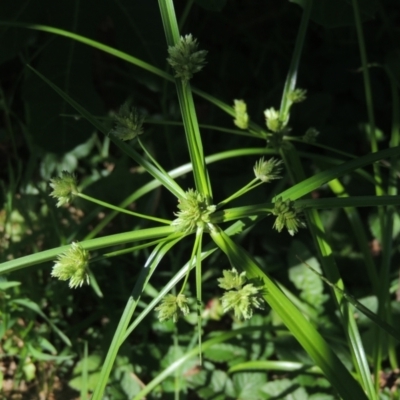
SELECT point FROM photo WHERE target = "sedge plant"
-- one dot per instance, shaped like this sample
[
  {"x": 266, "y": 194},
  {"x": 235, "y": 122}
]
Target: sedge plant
[{"x": 211, "y": 226}]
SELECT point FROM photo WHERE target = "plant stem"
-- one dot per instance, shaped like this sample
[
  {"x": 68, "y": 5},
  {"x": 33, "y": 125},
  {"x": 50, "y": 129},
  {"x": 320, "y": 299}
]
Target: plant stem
[{"x": 121, "y": 210}]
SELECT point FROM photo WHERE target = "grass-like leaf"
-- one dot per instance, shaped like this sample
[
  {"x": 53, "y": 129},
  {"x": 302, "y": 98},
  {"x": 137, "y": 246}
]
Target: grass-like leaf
[{"x": 301, "y": 329}]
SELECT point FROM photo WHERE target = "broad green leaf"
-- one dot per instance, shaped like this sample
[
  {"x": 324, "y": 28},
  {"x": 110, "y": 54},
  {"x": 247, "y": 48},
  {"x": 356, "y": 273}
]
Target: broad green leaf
[
  {"x": 247, "y": 385},
  {"x": 130, "y": 384},
  {"x": 285, "y": 388},
  {"x": 94, "y": 364},
  {"x": 218, "y": 388},
  {"x": 77, "y": 383},
  {"x": 223, "y": 352}
]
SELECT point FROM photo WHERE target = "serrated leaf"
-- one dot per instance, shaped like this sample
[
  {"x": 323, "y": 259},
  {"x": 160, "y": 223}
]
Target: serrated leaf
[
  {"x": 247, "y": 385},
  {"x": 217, "y": 386},
  {"x": 311, "y": 380},
  {"x": 285, "y": 389},
  {"x": 175, "y": 353}
]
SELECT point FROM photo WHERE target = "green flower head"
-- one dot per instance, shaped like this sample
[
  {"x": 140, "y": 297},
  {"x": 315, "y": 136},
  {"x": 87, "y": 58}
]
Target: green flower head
[
  {"x": 272, "y": 119},
  {"x": 241, "y": 117},
  {"x": 241, "y": 297},
  {"x": 287, "y": 216},
  {"x": 128, "y": 122},
  {"x": 266, "y": 171},
  {"x": 185, "y": 59},
  {"x": 298, "y": 95},
  {"x": 72, "y": 265},
  {"x": 243, "y": 301},
  {"x": 232, "y": 279},
  {"x": 311, "y": 135},
  {"x": 64, "y": 188},
  {"x": 172, "y": 307},
  {"x": 194, "y": 212}
]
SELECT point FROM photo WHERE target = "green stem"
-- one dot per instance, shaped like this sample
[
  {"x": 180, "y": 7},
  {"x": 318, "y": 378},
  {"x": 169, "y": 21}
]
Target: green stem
[
  {"x": 130, "y": 307},
  {"x": 183, "y": 169},
  {"x": 194, "y": 252},
  {"x": 115, "y": 208},
  {"x": 250, "y": 186},
  {"x": 188, "y": 111},
  {"x": 126, "y": 251},
  {"x": 199, "y": 276}
]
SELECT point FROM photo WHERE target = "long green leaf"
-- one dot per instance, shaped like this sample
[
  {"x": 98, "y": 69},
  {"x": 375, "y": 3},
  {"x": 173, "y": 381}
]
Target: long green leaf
[
  {"x": 118, "y": 338},
  {"x": 93, "y": 244},
  {"x": 234, "y": 213},
  {"x": 272, "y": 365},
  {"x": 186, "y": 103},
  {"x": 308, "y": 185},
  {"x": 301, "y": 329},
  {"x": 325, "y": 254}
]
